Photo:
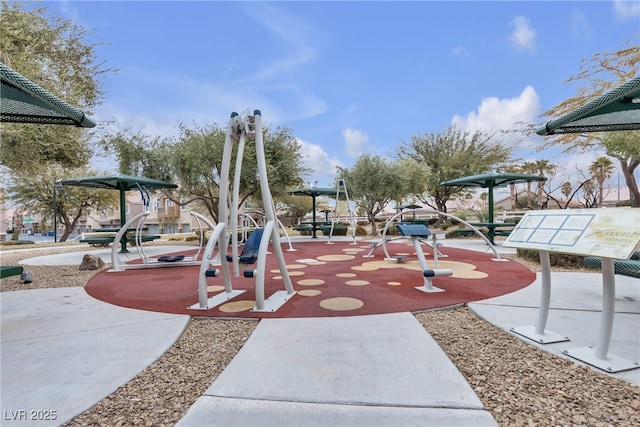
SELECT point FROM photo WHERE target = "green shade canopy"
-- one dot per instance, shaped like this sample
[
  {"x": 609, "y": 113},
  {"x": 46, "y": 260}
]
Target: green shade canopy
[
  {"x": 314, "y": 192},
  {"x": 490, "y": 181},
  {"x": 618, "y": 109},
  {"x": 23, "y": 101},
  {"x": 118, "y": 182},
  {"x": 403, "y": 207},
  {"x": 122, "y": 183}
]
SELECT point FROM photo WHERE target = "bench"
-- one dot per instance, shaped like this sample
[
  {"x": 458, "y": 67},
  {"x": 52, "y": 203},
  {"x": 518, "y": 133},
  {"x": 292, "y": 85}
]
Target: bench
[
  {"x": 630, "y": 267},
  {"x": 494, "y": 229},
  {"x": 106, "y": 241},
  {"x": 10, "y": 270},
  {"x": 305, "y": 230}
]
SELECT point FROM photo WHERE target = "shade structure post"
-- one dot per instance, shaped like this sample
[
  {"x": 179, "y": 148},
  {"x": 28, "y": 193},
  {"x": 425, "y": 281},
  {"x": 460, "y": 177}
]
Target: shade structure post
[
  {"x": 313, "y": 227},
  {"x": 123, "y": 218}
]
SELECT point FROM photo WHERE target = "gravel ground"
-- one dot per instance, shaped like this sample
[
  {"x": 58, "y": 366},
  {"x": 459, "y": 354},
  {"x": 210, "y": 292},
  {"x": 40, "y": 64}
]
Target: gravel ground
[{"x": 518, "y": 383}]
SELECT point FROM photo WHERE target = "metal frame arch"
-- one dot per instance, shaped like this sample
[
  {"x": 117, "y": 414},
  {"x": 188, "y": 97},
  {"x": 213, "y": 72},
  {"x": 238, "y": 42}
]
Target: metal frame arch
[{"x": 430, "y": 210}]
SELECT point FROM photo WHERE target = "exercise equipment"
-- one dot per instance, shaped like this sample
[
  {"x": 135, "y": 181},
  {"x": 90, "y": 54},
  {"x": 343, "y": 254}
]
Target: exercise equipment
[
  {"x": 343, "y": 208},
  {"x": 237, "y": 131},
  {"x": 415, "y": 232},
  {"x": 137, "y": 224}
]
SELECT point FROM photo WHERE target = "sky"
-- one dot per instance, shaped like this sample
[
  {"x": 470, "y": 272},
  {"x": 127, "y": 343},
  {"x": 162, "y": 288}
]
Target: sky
[{"x": 349, "y": 77}]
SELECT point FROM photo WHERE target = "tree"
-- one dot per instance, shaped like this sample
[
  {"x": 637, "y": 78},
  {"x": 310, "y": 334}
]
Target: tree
[
  {"x": 625, "y": 146},
  {"x": 374, "y": 182},
  {"x": 194, "y": 160},
  {"x": 54, "y": 53},
  {"x": 601, "y": 73},
  {"x": 33, "y": 192},
  {"x": 296, "y": 207},
  {"x": 601, "y": 170},
  {"x": 452, "y": 154},
  {"x": 566, "y": 189}
]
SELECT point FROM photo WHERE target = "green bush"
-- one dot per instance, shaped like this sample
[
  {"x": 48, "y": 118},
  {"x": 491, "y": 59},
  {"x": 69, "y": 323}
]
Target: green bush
[
  {"x": 360, "y": 230},
  {"x": 555, "y": 259},
  {"x": 459, "y": 233},
  {"x": 339, "y": 230},
  {"x": 17, "y": 242},
  {"x": 392, "y": 231}
]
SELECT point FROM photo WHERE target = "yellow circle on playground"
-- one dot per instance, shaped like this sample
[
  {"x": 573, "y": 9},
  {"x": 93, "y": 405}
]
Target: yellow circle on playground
[
  {"x": 215, "y": 288},
  {"x": 237, "y": 306},
  {"x": 353, "y": 250},
  {"x": 309, "y": 292},
  {"x": 335, "y": 257},
  {"x": 341, "y": 303},
  {"x": 394, "y": 283},
  {"x": 310, "y": 282},
  {"x": 295, "y": 266},
  {"x": 346, "y": 275},
  {"x": 357, "y": 282},
  {"x": 364, "y": 267}
]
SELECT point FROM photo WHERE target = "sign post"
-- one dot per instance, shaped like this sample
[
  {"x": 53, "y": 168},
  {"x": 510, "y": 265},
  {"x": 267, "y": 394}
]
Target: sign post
[{"x": 611, "y": 233}]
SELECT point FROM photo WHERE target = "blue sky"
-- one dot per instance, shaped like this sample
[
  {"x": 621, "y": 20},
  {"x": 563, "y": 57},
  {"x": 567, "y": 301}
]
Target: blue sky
[{"x": 348, "y": 77}]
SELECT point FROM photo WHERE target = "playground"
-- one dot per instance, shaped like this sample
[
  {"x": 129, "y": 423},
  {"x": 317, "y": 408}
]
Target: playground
[{"x": 330, "y": 280}]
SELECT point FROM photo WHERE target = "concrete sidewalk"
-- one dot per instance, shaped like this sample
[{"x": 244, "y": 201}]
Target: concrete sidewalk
[
  {"x": 575, "y": 312},
  {"x": 63, "y": 351},
  {"x": 75, "y": 258},
  {"x": 357, "y": 371}
]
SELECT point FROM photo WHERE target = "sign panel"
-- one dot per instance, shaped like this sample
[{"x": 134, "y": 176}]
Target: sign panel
[{"x": 610, "y": 233}]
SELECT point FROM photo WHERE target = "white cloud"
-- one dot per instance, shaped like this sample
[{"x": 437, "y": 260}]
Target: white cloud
[
  {"x": 159, "y": 100},
  {"x": 625, "y": 10},
  {"x": 496, "y": 114},
  {"x": 579, "y": 25},
  {"x": 460, "y": 50},
  {"x": 523, "y": 37},
  {"x": 355, "y": 141},
  {"x": 323, "y": 167}
]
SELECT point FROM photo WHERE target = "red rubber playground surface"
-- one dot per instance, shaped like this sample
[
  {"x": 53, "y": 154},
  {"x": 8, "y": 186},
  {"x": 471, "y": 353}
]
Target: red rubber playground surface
[{"x": 329, "y": 280}]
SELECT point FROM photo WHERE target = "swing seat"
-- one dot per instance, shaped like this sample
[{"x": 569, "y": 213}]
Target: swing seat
[
  {"x": 168, "y": 258},
  {"x": 250, "y": 249}
]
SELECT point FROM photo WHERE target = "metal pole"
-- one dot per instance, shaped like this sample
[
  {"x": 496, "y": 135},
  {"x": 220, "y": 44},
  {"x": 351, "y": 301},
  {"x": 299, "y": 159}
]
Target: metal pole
[{"x": 55, "y": 215}]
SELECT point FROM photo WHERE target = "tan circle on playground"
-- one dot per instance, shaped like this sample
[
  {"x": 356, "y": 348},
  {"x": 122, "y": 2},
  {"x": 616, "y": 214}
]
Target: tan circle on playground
[
  {"x": 315, "y": 262},
  {"x": 353, "y": 250},
  {"x": 341, "y": 303},
  {"x": 289, "y": 267},
  {"x": 215, "y": 288},
  {"x": 237, "y": 306},
  {"x": 462, "y": 270},
  {"x": 357, "y": 282},
  {"x": 346, "y": 275},
  {"x": 335, "y": 257},
  {"x": 394, "y": 283},
  {"x": 296, "y": 266},
  {"x": 310, "y": 282},
  {"x": 291, "y": 273},
  {"x": 309, "y": 292}
]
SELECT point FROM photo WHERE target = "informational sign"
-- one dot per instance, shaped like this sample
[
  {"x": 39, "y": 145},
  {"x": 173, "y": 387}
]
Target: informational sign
[
  {"x": 27, "y": 220},
  {"x": 604, "y": 232}
]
